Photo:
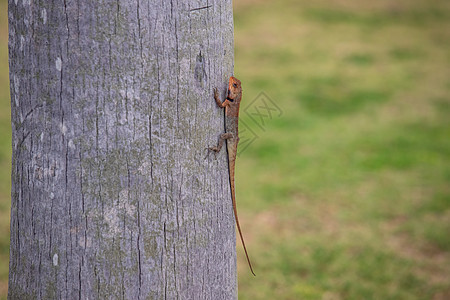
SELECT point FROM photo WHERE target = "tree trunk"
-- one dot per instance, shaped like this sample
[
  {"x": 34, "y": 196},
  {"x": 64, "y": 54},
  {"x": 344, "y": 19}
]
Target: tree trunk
[{"x": 113, "y": 194}]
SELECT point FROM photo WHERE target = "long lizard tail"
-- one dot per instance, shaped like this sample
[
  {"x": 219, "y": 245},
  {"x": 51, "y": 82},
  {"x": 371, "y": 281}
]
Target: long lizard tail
[{"x": 233, "y": 196}]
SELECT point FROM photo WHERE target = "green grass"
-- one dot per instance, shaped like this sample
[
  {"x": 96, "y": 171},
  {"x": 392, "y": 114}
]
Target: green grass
[{"x": 346, "y": 195}]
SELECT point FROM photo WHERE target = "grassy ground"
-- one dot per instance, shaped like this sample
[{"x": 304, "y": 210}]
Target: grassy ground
[
  {"x": 347, "y": 194},
  {"x": 5, "y": 151}
]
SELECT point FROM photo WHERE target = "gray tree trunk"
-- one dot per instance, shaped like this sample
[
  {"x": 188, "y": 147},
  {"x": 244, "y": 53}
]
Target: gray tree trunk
[{"x": 113, "y": 194}]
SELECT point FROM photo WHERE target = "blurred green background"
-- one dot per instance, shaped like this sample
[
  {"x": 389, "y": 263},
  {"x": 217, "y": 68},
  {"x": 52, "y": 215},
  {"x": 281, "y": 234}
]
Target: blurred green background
[{"x": 347, "y": 194}]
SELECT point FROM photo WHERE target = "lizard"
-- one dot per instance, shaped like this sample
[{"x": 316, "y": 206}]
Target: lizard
[{"x": 231, "y": 105}]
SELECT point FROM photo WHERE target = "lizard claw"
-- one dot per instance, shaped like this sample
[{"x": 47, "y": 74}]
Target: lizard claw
[{"x": 212, "y": 149}]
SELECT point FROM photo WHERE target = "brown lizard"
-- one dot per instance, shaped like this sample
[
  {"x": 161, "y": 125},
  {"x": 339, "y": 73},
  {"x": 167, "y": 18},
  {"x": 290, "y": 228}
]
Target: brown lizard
[{"x": 231, "y": 105}]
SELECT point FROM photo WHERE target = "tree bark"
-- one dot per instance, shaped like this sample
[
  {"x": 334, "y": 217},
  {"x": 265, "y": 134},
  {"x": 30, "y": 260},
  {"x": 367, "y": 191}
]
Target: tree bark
[{"x": 113, "y": 194}]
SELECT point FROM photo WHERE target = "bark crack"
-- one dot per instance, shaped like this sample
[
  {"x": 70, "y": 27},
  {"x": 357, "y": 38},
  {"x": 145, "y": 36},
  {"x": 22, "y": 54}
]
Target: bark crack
[
  {"x": 139, "y": 26},
  {"x": 200, "y": 8},
  {"x": 79, "y": 278}
]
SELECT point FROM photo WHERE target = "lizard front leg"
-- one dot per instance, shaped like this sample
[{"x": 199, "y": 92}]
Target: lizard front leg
[
  {"x": 218, "y": 101},
  {"x": 226, "y": 135}
]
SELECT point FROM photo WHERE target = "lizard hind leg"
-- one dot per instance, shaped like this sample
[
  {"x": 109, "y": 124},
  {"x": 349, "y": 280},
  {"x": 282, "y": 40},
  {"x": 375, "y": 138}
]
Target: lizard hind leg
[{"x": 223, "y": 137}]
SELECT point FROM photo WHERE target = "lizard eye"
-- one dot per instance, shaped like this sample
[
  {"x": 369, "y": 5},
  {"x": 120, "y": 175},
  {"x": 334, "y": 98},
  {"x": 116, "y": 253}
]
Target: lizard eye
[{"x": 235, "y": 85}]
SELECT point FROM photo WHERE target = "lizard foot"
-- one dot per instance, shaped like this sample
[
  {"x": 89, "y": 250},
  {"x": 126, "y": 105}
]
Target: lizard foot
[{"x": 215, "y": 149}]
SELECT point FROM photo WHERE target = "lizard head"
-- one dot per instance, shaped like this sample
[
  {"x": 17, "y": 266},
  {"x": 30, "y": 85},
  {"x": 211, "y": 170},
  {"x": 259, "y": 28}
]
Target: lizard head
[{"x": 234, "y": 89}]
